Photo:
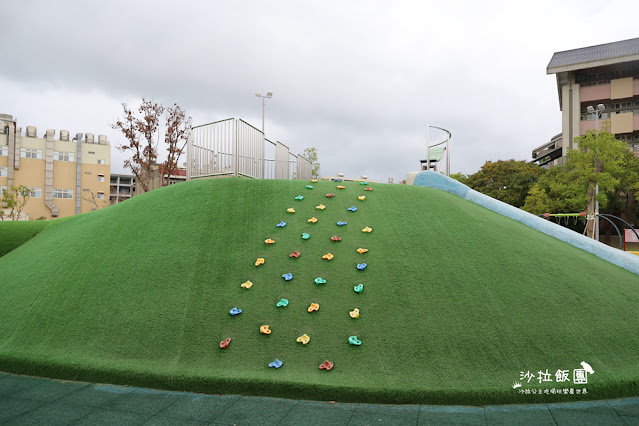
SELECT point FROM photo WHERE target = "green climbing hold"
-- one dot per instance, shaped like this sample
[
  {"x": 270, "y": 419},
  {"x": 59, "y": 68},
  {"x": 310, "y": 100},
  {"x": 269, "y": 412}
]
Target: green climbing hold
[
  {"x": 299, "y": 197},
  {"x": 362, "y": 183},
  {"x": 306, "y": 236},
  {"x": 320, "y": 280},
  {"x": 282, "y": 303},
  {"x": 309, "y": 186},
  {"x": 359, "y": 288},
  {"x": 353, "y": 340}
]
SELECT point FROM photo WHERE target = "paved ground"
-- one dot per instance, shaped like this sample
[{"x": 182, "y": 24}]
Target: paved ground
[{"x": 26, "y": 400}]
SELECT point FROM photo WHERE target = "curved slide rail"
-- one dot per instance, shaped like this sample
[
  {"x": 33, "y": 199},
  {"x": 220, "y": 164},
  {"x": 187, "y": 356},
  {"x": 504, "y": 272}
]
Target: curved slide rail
[{"x": 444, "y": 183}]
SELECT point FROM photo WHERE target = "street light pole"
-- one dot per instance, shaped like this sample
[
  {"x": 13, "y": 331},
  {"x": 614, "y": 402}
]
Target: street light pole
[
  {"x": 600, "y": 110},
  {"x": 264, "y": 99}
]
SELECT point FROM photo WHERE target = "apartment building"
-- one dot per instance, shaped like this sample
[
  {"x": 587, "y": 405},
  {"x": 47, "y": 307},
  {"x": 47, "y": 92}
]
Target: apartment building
[
  {"x": 67, "y": 175},
  {"x": 607, "y": 75}
]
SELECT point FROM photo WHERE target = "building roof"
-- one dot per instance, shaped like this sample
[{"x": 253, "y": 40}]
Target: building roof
[{"x": 594, "y": 56}]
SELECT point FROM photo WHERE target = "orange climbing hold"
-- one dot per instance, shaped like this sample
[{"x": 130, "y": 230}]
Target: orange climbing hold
[
  {"x": 265, "y": 329},
  {"x": 362, "y": 250},
  {"x": 328, "y": 256},
  {"x": 312, "y": 220},
  {"x": 313, "y": 307},
  {"x": 260, "y": 260}
]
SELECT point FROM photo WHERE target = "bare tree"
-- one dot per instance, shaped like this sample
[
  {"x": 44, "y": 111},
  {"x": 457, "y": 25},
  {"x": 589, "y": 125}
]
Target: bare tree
[
  {"x": 93, "y": 200},
  {"x": 178, "y": 126},
  {"x": 139, "y": 133}
]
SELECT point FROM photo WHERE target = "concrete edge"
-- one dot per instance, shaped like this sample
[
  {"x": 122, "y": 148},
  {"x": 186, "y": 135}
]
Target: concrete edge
[{"x": 439, "y": 181}]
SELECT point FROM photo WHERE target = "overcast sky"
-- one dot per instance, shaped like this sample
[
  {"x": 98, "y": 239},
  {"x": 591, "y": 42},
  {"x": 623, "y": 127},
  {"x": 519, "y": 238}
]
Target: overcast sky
[{"x": 358, "y": 80}]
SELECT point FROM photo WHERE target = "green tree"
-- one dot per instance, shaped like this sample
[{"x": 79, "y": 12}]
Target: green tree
[
  {"x": 460, "y": 177},
  {"x": 15, "y": 199},
  {"x": 508, "y": 181},
  {"x": 311, "y": 155}
]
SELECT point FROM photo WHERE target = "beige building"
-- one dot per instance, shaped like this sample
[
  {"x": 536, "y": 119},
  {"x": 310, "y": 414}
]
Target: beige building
[
  {"x": 596, "y": 84},
  {"x": 67, "y": 175}
]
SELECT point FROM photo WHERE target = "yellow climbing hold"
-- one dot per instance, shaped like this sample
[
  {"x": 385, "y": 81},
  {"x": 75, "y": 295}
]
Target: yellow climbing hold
[
  {"x": 313, "y": 180},
  {"x": 328, "y": 256},
  {"x": 247, "y": 285},
  {"x": 367, "y": 229},
  {"x": 312, "y": 220},
  {"x": 303, "y": 339},
  {"x": 341, "y": 187},
  {"x": 321, "y": 207},
  {"x": 260, "y": 260},
  {"x": 354, "y": 313},
  {"x": 265, "y": 329},
  {"x": 313, "y": 307},
  {"x": 362, "y": 250},
  {"x": 361, "y": 197},
  {"x": 291, "y": 210},
  {"x": 267, "y": 242}
]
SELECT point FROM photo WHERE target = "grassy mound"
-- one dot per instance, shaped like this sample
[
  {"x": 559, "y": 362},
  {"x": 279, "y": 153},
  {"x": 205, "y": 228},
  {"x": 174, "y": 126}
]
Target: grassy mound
[
  {"x": 15, "y": 233},
  {"x": 457, "y": 300}
]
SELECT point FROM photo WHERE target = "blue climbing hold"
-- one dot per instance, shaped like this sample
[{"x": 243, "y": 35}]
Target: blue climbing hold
[
  {"x": 276, "y": 364},
  {"x": 361, "y": 266},
  {"x": 235, "y": 311},
  {"x": 281, "y": 224},
  {"x": 352, "y": 209},
  {"x": 337, "y": 180},
  {"x": 340, "y": 223},
  {"x": 289, "y": 276}
]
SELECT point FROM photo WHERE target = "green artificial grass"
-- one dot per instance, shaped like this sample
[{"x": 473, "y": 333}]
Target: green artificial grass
[
  {"x": 457, "y": 300},
  {"x": 15, "y": 233}
]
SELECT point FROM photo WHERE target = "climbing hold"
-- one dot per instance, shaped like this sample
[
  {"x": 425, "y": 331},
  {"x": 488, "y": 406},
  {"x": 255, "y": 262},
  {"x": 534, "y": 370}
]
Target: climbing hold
[
  {"x": 288, "y": 276},
  {"x": 341, "y": 187},
  {"x": 362, "y": 250},
  {"x": 282, "y": 303},
  {"x": 259, "y": 261},
  {"x": 281, "y": 224},
  {"x": 336, "y": 238},
  {"x": 321, "y": 207},
  {"x": 291, "y": 210},
  {"x": 354, "y": 313},
  {"x": 299, "y": 197},
  {"x": 340, "y": 223},
  {"x": 235, "y": 311},
  {"x": 303, "y": 339},
  {"x": 312, "y": 220},
  {"x": 309, "y": 186},
  {"x": 329, "y": 195},
  {"x": 225, "y": 343},
  {"x": 313, "y": 307},
  {"x": 265, "y": 329},
  {"x": 326, "y": 365},
  {"x": 352, "y": 209},
  {"x": 269, "y": 241},
  {"x": 246, "y": 285},
  {"x": 368, "y": 188},
  {"x": 320, "y": 280},
  {"x": 306, "y": 236},
  {"x": 294, "y": 254},
  {"x": 362, "y": 183},
  {"x": 361, "y": 266},
  {"x": 361, "y": 197},
  {"x": 276, "y": 364},
  {"x": 313, "y": 180},
  {"x": 337, "y": 180},
  {"x": 359, "y": 288},
  {"x": 367, "y": 229},
  {"x": 353, "y": 340},
  {"x": 328, "y": 256}
]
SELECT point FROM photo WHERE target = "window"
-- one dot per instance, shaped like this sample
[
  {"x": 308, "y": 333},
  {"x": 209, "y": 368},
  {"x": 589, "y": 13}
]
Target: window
[
  {"x": 100, "y": 178},
  {"x": 91, "y": 152},
  {"x": 86, "y": 190},
  {"x": 636, "y": 147},
  {"x": 32, "y": 153},
  {"x": 62, "y": 193},
  {"x": 3, "y": 172},
  {"x": 36, "y": 193},
  {"x": 101, "y": 162},
  {"x": 87, "y": 173},
  {"x": 100, "y": 196},
  {"x": 4, "y": 150},
  {"x": 63, "y": 156}
]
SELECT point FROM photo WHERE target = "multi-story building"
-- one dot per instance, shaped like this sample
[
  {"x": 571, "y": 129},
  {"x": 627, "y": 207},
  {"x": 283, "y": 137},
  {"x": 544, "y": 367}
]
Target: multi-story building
[
  {"x": 606, "y": 74},
  {"x": 122, "y": 188},
  {"x": 550, "y": 153},
  {"x": 67, "y": 176}
]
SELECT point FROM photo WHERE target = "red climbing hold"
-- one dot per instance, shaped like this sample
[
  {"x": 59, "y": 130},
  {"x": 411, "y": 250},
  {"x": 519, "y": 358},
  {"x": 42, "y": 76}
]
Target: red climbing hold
[
  {"x": 225, "y": 343},
  {"x": 294, "y": 254},
  {"x": 326, "y": 365},
  {"x": 336, "y": 238}
]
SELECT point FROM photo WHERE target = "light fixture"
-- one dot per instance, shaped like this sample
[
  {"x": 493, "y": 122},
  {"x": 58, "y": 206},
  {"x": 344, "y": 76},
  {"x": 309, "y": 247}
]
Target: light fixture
[
  {"x": 601, "y": 107},
  {"x": 590, "y": 109}
]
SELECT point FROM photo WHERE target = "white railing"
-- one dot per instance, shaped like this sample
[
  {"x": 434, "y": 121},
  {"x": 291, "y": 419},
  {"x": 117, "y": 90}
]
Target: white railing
[{"x": 233, "y": 147}]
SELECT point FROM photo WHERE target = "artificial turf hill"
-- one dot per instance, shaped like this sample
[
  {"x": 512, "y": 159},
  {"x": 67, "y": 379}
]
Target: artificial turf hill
[{"x": 457, "y": 300}]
